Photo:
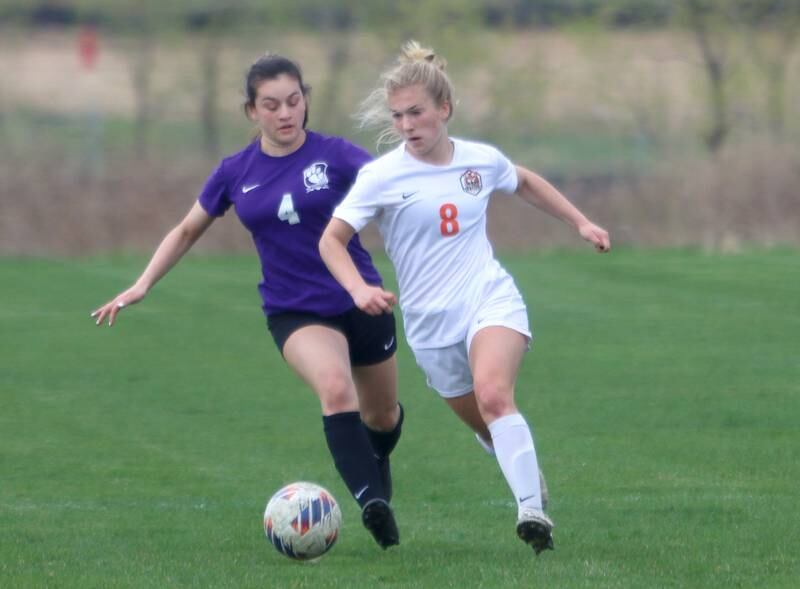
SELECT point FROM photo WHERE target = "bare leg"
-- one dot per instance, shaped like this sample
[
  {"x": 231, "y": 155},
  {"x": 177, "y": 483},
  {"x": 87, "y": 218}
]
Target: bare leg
[
  {"x": 376, "y": 386},
  {"x": 380, "y": 412},
  {"x": 466, "y": 407},
  {"x": 495, "y": 357},
  {"x": 319, "y": 355}
]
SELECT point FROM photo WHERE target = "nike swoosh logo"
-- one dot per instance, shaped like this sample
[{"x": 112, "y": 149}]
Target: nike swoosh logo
[
  {"x": 409, "y": 194},
  {"x": 389, "y": 345},
  {"x": 523, "y": 499},
  {"x": 360, "y": 492},
  {"x": 246, "y": 189}
]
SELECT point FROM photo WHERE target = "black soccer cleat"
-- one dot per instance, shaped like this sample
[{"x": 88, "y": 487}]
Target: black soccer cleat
[
  {"x": 378, "y": 518},
  {"x": 386, "y": 476},
  {"x": 535, "y": 529}
]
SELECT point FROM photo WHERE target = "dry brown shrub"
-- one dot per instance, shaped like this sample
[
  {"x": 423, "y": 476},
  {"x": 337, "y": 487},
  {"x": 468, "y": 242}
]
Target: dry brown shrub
[
  {"x": 747, "y": 195},
  {"x": 63, "y": 209},
  {"x": 649, "y": 84}
]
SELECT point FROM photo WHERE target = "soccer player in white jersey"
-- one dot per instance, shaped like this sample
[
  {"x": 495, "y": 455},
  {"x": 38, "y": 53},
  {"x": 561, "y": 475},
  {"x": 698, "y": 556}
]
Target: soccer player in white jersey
[{"x": 464, "y": 317}]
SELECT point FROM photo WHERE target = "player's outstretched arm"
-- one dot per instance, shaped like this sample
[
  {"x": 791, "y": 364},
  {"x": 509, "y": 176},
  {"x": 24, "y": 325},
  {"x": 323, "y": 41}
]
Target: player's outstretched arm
[
  {"x": 539, "y": 192},
  {"x": 172, "y": 248},
  {"x": 333, "y": 249}
]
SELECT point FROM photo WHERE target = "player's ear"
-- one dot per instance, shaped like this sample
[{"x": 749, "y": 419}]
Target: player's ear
[{"x": 445, "y": 109}]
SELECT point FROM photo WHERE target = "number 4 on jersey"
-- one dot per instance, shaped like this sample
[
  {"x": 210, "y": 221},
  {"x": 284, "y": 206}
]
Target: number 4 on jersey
[{"x": 286, "y": 211}]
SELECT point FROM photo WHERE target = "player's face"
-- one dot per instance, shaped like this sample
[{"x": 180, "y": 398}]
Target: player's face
[
  {"x": 279, "y": 111},
  {"x": 420, "y": 122}
]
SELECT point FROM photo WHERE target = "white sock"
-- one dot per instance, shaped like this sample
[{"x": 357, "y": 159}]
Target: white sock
[{"x": 513, "y": 446}]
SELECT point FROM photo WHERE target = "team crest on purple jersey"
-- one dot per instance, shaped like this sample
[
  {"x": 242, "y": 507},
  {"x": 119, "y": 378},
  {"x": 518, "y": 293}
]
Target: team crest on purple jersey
[
  {"x": 270, "y": 197},
  {"x": 315, "y": 176},
  {"x": 471, "y": 182}
]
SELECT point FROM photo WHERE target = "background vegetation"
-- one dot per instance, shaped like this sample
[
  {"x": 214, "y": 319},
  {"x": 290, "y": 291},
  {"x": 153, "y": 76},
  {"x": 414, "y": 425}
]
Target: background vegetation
[{"x": 673, "y": 123}]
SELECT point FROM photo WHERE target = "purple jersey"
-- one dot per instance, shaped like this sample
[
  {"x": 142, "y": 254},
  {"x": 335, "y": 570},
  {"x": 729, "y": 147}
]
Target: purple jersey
[{"x": 286, "y": 203}]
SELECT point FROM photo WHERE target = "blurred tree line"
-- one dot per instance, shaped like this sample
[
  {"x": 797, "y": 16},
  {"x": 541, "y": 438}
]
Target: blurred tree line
[
  {"x": 347, "y": 14},
  {"x": 712, "y": 24},
  {"x": 640, "y": 86}
]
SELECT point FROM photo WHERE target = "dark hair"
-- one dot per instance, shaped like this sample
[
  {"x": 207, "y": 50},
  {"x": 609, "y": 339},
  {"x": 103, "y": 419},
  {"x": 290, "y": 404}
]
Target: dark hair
[{"x": 269, "y": 67}]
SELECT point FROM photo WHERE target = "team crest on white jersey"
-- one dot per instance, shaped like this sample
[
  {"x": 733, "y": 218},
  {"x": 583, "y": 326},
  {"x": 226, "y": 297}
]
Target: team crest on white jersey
[
  {"x": 315, "y": 176},
  {"x": 471, "y": 182}
]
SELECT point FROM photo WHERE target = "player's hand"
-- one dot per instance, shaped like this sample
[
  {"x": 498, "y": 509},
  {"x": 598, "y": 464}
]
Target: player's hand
[
  {"x": 373, "y": 300},
  {"x": 596, "y": 235},
  {"x": 130, "y": 297}
]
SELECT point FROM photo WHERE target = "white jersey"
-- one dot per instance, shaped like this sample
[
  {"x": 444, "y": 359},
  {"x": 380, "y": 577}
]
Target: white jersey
[{"x": 433, "y": 223}]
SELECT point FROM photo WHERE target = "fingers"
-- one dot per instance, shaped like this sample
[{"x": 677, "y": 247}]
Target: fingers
[
  {"x": 603, "y": 244},
  {"x": 379, "y": 301},
  {"x": 109, "y": 310},
  {"x": 599, "y": 238},
  {"x": 378, "y": 306},
  {"x": 99, "y": 315},
  {"x": 388, "y": 300},
  {"x": 114, "y": 310}
]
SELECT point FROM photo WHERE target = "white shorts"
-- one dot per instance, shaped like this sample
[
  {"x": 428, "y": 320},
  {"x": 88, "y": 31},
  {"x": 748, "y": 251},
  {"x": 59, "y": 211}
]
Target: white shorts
[{"x": 447, "y": 369}]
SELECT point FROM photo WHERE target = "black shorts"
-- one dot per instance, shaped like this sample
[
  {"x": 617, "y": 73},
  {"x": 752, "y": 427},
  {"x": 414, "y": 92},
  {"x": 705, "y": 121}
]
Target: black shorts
[{"x": 371, "y": 338}]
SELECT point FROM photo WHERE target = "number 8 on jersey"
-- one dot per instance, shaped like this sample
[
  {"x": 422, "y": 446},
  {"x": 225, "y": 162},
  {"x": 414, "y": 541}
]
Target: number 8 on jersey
[{"x": 449, "y": 225}]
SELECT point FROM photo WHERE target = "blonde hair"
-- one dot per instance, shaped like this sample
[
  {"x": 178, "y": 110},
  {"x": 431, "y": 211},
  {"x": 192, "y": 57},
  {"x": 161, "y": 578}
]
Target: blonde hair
[{"x": 415, "y": 65}]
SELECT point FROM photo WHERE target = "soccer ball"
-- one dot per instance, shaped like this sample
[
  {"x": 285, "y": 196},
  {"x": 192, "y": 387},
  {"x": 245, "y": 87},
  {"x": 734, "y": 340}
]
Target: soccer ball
[{"x": 302, "y": 521}]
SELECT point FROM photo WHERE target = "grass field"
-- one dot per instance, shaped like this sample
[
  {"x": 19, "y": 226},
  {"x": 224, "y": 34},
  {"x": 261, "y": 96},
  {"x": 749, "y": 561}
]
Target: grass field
[{"x": 664, "y": 389}]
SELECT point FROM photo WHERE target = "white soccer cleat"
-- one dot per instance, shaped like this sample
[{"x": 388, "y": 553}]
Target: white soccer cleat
[{"x": 535, "y": 529}]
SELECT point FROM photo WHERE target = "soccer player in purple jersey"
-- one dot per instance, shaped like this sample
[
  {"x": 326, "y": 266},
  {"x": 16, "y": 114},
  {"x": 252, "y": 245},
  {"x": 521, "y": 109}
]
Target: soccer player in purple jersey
[{"x": 284, "y": 187}]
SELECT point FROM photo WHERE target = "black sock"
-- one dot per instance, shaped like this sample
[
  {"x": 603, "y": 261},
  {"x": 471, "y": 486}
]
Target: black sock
[
  {"x": 353, "y": 455},
  {"x": 384, "y": 442}
]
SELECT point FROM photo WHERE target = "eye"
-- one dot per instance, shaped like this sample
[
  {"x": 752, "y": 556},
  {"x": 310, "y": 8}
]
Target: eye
[
  {"x": 397, "y": 116},
  {"x": 294, "y": 101}
]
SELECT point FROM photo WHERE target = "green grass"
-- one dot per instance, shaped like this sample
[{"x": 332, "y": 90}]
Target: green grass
[{"x": 664, "y": 388}]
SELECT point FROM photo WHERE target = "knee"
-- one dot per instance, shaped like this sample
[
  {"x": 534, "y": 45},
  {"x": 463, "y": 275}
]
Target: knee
[
  {"x": 382, "y": 420},
  {"x": 336, "y": 393},
  {"x": 495, "y": 398}
]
